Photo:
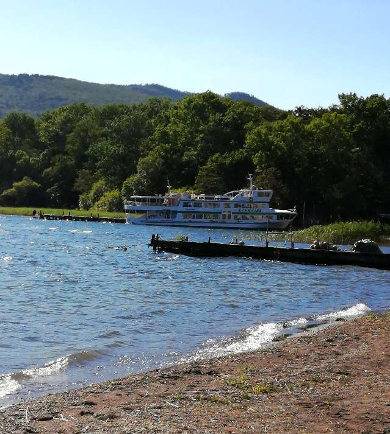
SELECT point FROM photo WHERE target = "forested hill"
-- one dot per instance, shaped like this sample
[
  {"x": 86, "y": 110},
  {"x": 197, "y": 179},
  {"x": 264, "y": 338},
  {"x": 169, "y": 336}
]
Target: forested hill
[
  {"x": 332, "y": 163},
  {"x": 35, "y": 94}
]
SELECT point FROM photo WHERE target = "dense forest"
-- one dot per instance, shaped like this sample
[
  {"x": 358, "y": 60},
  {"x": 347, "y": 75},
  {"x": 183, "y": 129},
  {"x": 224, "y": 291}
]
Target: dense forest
[
  {"x": 332, "y": 163},
  {"x": 36, "y": 94}
]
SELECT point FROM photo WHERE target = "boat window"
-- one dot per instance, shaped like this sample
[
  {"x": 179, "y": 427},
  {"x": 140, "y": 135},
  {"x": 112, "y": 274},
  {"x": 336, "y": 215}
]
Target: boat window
[
  {"x": 199, "y": 216},
  {"x": 226, "y": 205},
  {"x": 187, "y": 204}
]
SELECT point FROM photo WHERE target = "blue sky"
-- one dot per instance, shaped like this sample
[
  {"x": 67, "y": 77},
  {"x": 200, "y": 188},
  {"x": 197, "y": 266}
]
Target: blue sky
[{"x": 287, "y": 52}]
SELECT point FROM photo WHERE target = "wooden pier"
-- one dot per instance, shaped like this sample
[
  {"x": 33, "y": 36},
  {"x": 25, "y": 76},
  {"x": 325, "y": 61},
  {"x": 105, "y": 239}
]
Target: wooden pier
[
  {"x": 284, "y": 254},
  {"x": 76, "y": 218}
]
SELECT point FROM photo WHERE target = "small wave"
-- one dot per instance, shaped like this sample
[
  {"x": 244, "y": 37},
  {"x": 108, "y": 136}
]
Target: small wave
[
  {"x": 115, "y": 344},
  {"x": 52, "y": 368},
  {"x": 250, "y": 339},
  {"x": 7, "y": 258},
  {"x": 350, "y": 312},
  {"x": 110, "y": 334},
  {"x": 8, "y": 385},
  {"x": 166, "y": 257},
  {"x": 83, "y": 357},
  {"x": 257, "y": 337},
  {"x": 295, "y": 323},
  {"x": 76, "y": 231}
]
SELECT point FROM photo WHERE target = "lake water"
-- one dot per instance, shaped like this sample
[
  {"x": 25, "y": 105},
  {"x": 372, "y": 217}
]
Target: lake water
[{"x": 77, "y": 309}]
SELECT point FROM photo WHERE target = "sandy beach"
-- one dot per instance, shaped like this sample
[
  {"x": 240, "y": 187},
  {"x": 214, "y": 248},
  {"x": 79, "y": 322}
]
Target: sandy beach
[{"x": 333, "y": 380}]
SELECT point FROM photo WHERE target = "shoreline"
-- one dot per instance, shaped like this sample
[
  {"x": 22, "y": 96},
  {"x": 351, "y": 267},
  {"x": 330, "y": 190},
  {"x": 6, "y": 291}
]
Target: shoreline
[
  {"x": 382, "y": 241},
  {"x": 331, "y": 379}
]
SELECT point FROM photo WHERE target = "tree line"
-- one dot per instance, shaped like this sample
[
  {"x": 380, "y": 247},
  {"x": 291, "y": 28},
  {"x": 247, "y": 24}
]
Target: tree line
[{"x": 332, "y": 163}]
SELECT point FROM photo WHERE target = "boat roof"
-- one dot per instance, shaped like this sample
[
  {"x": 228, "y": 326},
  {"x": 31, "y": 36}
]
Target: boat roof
[
  {"x": 155, "y": 196},
  {"x": 246, "y": 190}
]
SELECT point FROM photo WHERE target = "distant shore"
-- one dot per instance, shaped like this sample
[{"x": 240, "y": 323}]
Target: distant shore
[
  {"x": 342, "y": 233},
  {"x": 333, "y": 380},
  {"x": 28, "y": 212}
]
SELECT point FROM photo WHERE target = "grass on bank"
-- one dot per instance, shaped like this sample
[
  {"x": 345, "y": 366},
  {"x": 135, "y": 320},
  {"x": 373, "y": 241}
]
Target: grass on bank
[
  {"x": 344, "y": 233},
  {"x": 27, "y": 211}
]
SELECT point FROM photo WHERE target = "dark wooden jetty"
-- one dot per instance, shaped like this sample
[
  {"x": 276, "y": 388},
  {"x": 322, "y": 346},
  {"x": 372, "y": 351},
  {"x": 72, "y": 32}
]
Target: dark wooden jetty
[
  {"x": 289, "y": 254},
  {"x": 76, "y": 218}
]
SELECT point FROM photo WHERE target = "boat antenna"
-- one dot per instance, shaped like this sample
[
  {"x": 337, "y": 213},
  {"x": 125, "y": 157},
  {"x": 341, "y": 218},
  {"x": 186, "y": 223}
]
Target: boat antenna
[
  {"x": 250, "y": 179},
  {"x": 169, "y": 186}
]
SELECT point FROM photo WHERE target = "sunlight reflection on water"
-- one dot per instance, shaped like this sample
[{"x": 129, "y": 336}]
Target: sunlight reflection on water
[{"x": 67, "y": 290}]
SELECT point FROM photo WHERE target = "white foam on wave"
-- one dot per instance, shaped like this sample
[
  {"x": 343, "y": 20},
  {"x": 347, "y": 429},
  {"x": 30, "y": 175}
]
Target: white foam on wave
[
  {"x": 295, "y": 322},
  {"x": 7, "y": 258},
  {"x": 76, "y": 231},
  {"x": 8, "y": 385},
  {"x": 167, "y": 257},
  {"x": 350, "y": 312},
  {"x": 256, "y": 337},
  {"x": 51, "y": 368},
  {"x": 251, "y": 339}
]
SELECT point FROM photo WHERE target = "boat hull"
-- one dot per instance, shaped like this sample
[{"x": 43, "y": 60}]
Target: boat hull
[{"x": 272, "y": 225}]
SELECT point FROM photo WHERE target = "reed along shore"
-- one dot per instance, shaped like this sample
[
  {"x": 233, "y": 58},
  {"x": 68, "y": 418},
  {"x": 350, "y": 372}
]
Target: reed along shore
[{"x": 333, "y": 380}]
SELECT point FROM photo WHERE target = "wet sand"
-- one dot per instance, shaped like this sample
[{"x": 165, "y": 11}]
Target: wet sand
[{"x": 334, "y": 380}]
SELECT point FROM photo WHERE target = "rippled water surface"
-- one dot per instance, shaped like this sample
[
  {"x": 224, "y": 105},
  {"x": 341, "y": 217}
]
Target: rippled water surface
[{"x": 76, "y": 308}]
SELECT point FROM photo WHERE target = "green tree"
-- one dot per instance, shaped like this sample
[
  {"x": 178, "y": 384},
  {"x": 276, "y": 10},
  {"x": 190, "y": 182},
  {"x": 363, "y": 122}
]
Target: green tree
[
  {"x": 23, "y": 193},
  {"x": 55, "y": 126},
  {"x": 59, "y": 180},
  {"x": 110, "y": 201},
  {"x": 209, "y": 182},
  {"x": 23, "y": 133}
]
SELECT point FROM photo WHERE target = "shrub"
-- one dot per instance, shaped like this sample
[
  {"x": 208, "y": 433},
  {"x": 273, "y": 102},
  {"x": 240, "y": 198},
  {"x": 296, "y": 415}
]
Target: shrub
[
  {"x": 85, "y": 201},
  {"x": 110, "y": 201},
  {"x": 23, "y": 193},
  {"x": 98, "y": 189}
]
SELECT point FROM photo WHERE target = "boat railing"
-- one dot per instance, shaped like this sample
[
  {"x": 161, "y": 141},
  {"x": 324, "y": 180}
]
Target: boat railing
[
  {"x": 217, "y": 197},
  {"x": 149, "y": 203}
]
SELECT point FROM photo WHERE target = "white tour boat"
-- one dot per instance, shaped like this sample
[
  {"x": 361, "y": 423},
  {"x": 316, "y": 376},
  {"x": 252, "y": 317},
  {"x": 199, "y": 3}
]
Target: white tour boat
[{"x": 242, "y": 209}]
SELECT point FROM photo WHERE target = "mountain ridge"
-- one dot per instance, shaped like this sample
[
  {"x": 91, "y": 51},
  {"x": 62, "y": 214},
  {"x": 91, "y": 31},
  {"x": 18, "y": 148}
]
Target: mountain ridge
[{"x": 34, "y": 93}]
